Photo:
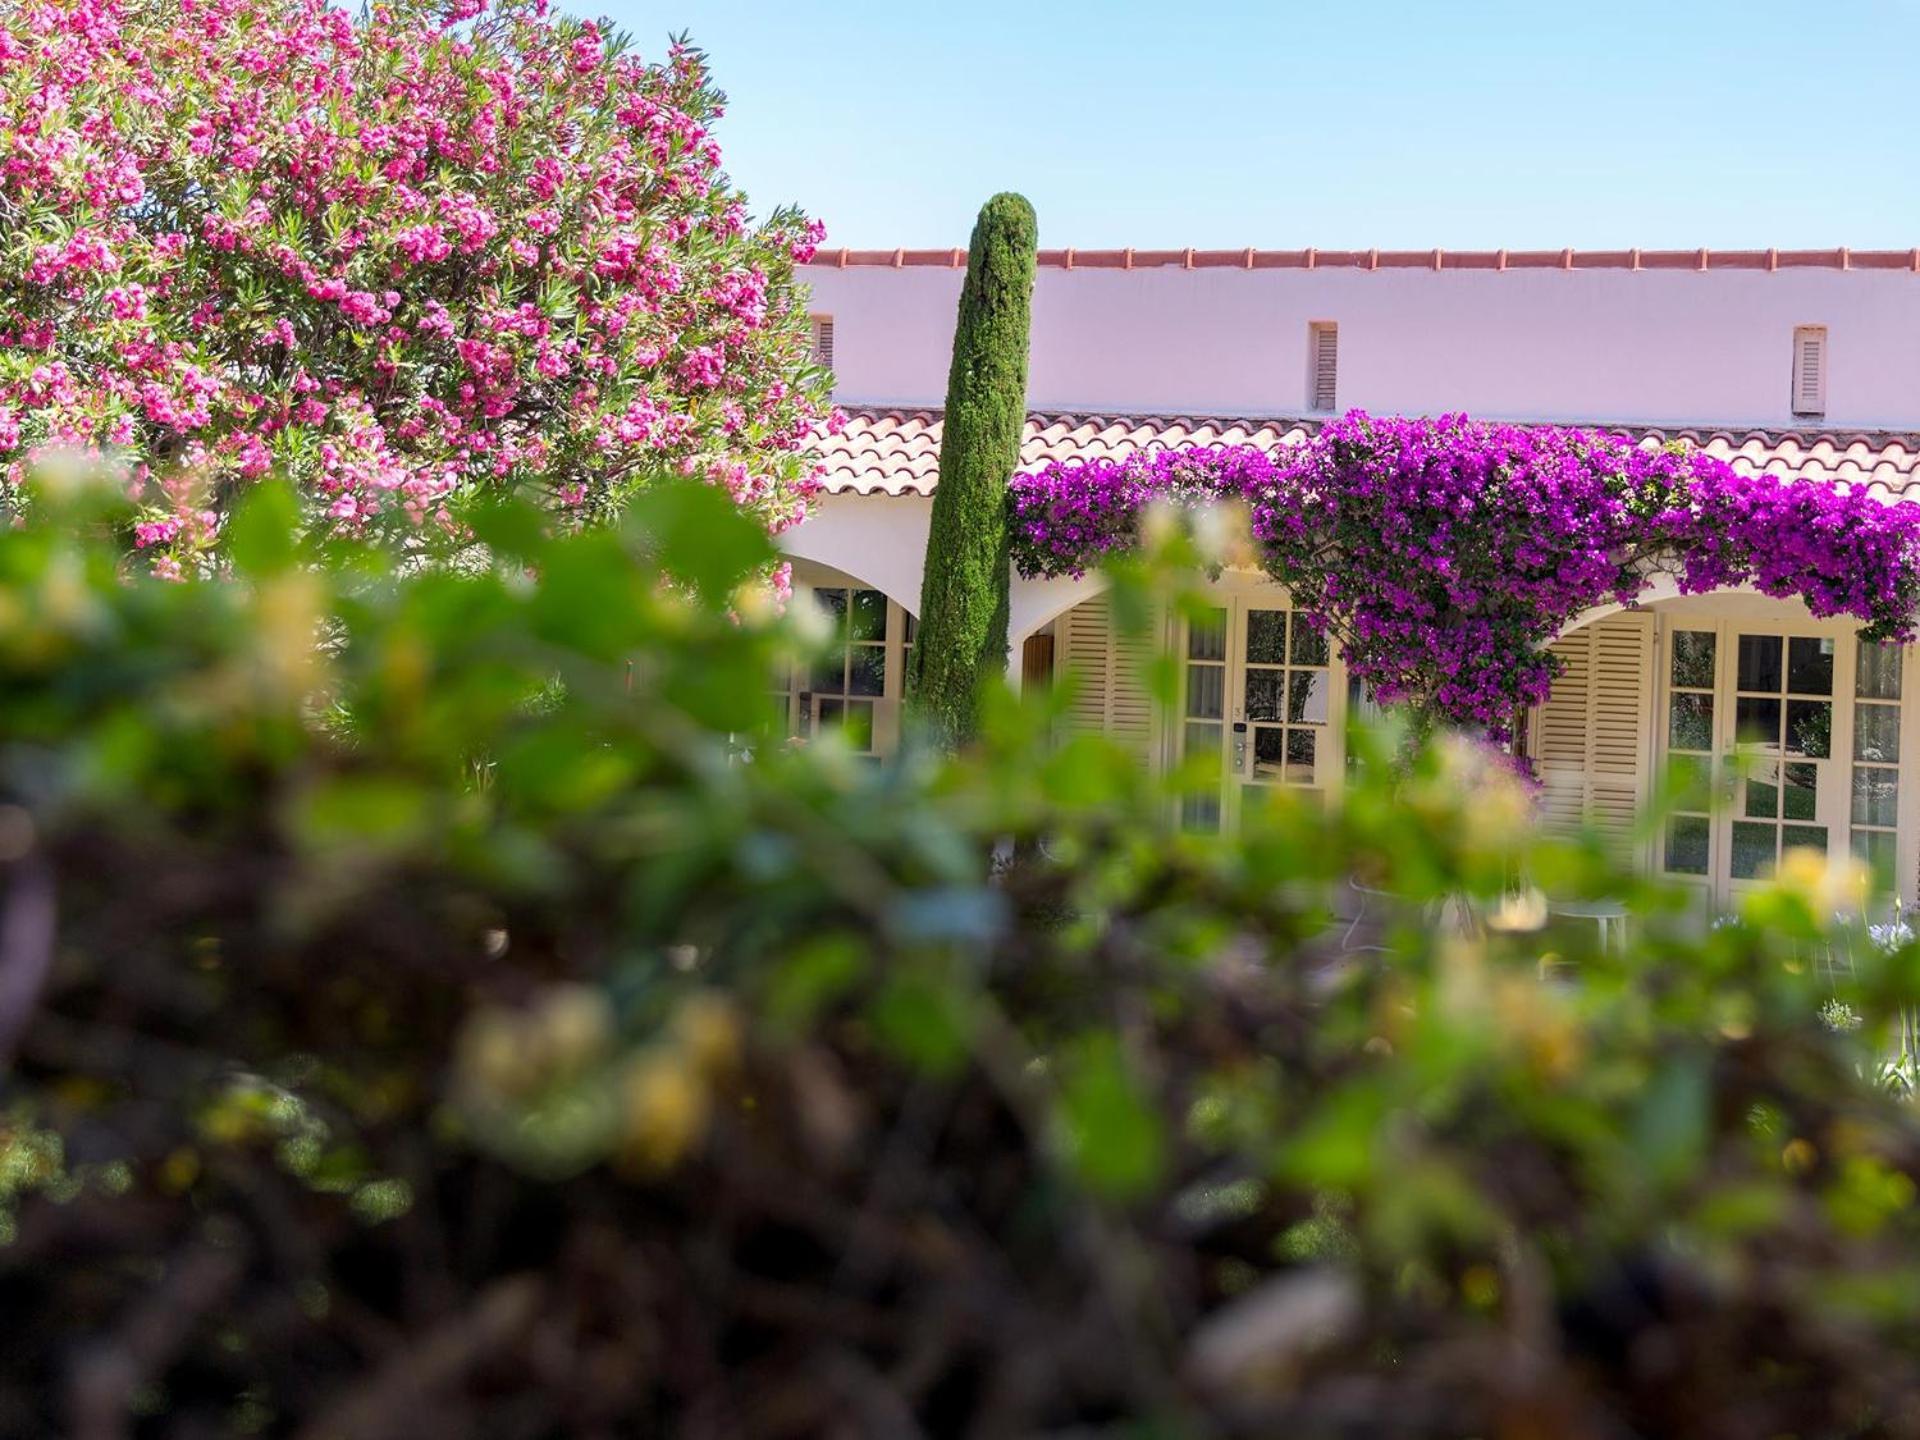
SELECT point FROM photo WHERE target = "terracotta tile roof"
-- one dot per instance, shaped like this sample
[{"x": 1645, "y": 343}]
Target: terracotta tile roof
[
  {"x": 897, "y": 451},
  {"x": 1841, "y": 258},
  {"x": 1886, "y": 462}
]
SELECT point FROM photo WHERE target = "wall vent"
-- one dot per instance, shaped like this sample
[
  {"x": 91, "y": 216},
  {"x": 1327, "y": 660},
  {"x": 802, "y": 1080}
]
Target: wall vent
[
  {"x": 823, "y": 340},
  {"x": 1810, "y": 370},
  {"x": 1323, "y": 365}
]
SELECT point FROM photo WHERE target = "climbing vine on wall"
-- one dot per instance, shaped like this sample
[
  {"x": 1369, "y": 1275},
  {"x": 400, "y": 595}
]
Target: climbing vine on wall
[{"x": 1444, "y": 554}]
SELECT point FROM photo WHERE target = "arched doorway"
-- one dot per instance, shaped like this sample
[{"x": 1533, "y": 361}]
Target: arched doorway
[
  {"x": 854, "y": 688},
  {"x": 1260, "y": 704}
]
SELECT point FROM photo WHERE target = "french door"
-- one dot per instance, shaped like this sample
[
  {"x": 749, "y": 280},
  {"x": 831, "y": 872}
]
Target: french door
[
  {"x": 1258, "y": 702},
  {"x": 854, "y": 687},
  {"x": 1779, "y": 737}
]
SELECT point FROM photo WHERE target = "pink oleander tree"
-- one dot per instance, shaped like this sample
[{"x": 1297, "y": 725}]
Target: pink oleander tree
[{"x": 448, "y": 245}]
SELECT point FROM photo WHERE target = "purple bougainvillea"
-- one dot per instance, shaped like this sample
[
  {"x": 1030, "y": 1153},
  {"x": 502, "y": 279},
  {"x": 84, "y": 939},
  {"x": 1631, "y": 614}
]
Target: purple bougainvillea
[{"x": 1445, "y": 554}]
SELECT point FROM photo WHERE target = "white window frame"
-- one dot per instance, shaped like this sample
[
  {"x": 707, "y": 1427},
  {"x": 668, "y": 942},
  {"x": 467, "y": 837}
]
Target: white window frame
[
  {"x": 803, "y": 703},
  {"x": 1238, "y": 595}
]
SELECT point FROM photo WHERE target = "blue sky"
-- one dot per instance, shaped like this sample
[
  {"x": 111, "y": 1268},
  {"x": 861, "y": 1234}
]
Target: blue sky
[{"x": 1231, "y": 122}]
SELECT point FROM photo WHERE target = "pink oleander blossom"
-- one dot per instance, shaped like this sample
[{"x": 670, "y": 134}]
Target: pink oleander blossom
[{"x": 401, "y": 254}]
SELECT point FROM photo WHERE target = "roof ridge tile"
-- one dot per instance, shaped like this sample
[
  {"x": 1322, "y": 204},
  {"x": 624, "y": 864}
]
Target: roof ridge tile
[{"x": 1701, "y": 257}]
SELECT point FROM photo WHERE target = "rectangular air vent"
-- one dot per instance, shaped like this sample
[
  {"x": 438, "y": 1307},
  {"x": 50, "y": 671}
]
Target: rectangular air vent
[
  {"x": 823, "y": 340},
  {"x": 1323, "y": 365},
  {"x": 1810, "y": 370}
]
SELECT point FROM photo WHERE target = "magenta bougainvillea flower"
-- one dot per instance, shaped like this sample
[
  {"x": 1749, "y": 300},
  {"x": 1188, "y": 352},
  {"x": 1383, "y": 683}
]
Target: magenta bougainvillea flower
[
  {"x": 397, "y": 256},
  {"x": 1445, "y": 554}
]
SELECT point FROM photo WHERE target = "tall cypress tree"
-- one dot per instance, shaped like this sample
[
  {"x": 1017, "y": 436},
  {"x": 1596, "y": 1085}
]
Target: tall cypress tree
[{"x": 963, "y": 593}]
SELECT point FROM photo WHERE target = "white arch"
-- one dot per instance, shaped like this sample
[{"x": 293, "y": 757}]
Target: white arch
[
  {"x": 881, "y": 541},
  {"x": 1036, "y": 603},
  {"x": 1661, "y": 588}
]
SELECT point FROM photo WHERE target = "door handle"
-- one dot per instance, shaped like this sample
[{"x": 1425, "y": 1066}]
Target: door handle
[{"x": 1239, "y": 747}]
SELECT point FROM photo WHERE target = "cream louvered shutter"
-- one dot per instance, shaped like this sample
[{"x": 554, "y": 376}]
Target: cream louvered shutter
[
  {"x": 823, "y": 340},
  {"x": 1810, "y": 370},
  {"x": 1326, "y": 366},
  {"x": 1592, "y": 740},
  {"x": 1110, "y": 695}
]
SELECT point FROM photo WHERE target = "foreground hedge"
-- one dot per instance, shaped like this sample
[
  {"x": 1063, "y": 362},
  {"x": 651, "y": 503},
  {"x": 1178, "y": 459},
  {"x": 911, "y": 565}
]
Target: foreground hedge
[{"x": 464, "y": 1026}]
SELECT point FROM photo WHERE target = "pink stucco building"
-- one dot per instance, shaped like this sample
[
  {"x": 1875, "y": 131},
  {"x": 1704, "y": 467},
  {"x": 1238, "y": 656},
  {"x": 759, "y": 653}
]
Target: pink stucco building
[{"x": 1806, "y": 364}]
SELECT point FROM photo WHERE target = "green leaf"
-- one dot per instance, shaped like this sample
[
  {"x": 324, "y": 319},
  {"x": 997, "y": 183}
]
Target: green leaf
[
  {"x": 821, "y": 970},
  {"x": 385, "y": 812},
  {"x": 1112, "y": 1134},
  {"x": 924, "y": 1019},
  {"x": 1671, "y": 1124},
  {"x": 699, "y": 535},
  {"x": 263, "y": 537}
]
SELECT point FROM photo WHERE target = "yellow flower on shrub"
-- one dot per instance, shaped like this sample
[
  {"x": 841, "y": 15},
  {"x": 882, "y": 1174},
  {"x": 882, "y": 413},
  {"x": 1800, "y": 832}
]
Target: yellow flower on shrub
[{"x": 665, "y": 1106}]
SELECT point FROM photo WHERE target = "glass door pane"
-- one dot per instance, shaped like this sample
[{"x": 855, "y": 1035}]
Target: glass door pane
[
  {"x": 1285, "y": 703},
  {"x": 1691, "y": 673},
  {"x": 850, "y": 675},
  {"x": 1874, "y": 796},
  {"x": 1204, "y": 713},
  {"x": 1783, "y": 713}
]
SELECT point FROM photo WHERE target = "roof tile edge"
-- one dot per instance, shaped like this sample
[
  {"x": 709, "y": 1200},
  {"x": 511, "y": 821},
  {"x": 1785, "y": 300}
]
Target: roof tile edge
[{"x": 1701, "y": 258}]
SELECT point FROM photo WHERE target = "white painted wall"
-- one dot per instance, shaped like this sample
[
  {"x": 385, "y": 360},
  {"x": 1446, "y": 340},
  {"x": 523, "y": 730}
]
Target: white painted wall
[
  {"x": 878, "y": 540},
  {"x": 1660, "y": 346}
]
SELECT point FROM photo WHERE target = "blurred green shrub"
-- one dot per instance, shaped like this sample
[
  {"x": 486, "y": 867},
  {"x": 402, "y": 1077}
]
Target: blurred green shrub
[{"x": 430, "y": 1005}]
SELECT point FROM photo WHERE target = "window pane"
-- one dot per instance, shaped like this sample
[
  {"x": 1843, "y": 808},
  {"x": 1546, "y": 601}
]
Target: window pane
[
  {"x": 1307, "y": 692},
  {"x": 1810, "y": 665},
  {"x": 1309, "y": 645},
  {"x": 829, "y": 675},
  {"x": 1752, "y": 850},
  {"x": 1881, "y": 852},
  {"x": 1300, "y": 751},
  {"x": 1693, "y": 658},
  {"x": 1207, "y": 639},
  {"x": 867, "y": 670},
  {"x": 1690, "y": 722},
  {"x": 1269, "y": 752},
  {"x": 1878, "y": 674},
  {"x": 1760, "y": 663},
  {"x": 1263, "y": 694},
  {"x": 1202, "y": 739},
  {"x": 869, "y": 618},
  {"x": 1810, "y": 728},
  {"x": 1876, "y": 733},
  {"x": 1206, "y": 691},
  {"x": 1763, "y": 793},
  {"x": 1876, "y": 796},
  {"x": 1757, "y": 722},
  {"x": 1267, "y": 636},
  {"x": 1800, "y": 795},
  {"x": 1200, "y": 812},
  {"x": 1687, "y": 845},
  {"x": 1804, "y": 837},
  {"x": 834, "y": 603}
]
